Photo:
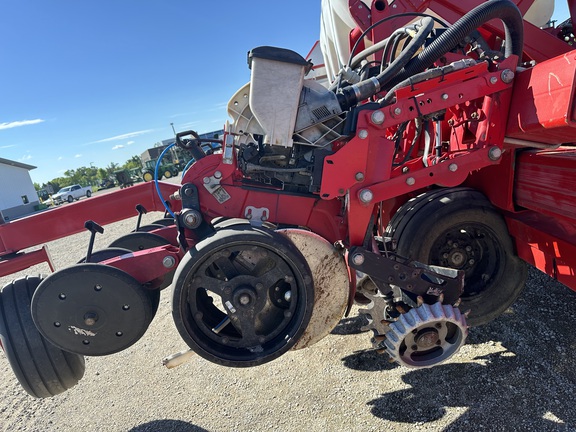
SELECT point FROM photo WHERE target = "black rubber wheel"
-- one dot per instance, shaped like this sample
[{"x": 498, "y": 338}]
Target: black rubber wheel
[
  {"x": 70, "y": 199},
  {"x": 41, "y": 368},
  {"x": 88, "y": 194},
  {"x": 242, "y": 297},
  {"x": 459, "y": 228},
  {"x": 174, "y": 172},
  {"x": 167, "y": 174}
]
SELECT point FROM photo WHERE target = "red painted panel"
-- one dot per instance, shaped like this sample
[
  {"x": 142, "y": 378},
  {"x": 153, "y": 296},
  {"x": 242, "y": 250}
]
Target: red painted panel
[
  {"x": 542, "y": 107},
  {"x": 546, "y": 182}
]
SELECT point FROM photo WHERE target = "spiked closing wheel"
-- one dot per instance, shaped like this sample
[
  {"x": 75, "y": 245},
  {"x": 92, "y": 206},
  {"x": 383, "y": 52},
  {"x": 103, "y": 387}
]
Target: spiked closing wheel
[{"x": 426, "y": 336}]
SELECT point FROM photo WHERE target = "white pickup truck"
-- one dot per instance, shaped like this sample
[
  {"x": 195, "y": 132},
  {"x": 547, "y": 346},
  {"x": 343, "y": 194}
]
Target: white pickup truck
[{"x": 71, "y": 193}]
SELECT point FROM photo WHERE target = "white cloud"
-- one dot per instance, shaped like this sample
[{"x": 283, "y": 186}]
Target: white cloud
[
  {"x": 8, "y": 146},
  {"x": 60, "y": 158},
  {"x": 78, "y": 156},
  {"x": 130, "y": 142},
  {"x": 10, "y": 125},
  {"x": 124, "y": 136},
  {"x": 26, "y": 157},
  {"x": 116, "y": 147}
]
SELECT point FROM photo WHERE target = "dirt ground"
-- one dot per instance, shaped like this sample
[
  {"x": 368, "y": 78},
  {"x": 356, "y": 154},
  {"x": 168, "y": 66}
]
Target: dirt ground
[{"x": 514, "y": 374}]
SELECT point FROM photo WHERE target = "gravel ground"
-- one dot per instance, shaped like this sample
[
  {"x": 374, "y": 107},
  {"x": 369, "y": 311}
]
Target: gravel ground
[{"x": 514, "y": 374}]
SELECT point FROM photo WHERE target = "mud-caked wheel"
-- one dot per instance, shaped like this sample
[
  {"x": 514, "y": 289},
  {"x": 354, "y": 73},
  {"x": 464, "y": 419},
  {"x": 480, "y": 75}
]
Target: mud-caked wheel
[
  {"x": 42, "y": 369},
  {"x": 243, "y": 296},
  {"x": 460, "y": 229}
]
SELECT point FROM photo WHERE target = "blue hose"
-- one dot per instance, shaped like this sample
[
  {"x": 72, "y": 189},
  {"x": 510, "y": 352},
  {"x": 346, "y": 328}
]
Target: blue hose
[
  {"x": 190, "y": 162},
  {"x": 156, "y": 180}
]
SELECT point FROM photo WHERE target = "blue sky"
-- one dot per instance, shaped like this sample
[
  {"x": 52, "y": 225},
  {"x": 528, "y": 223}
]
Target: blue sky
[
  {"x": 92, "y": 82},
  {"x": 96, "y": 82}
]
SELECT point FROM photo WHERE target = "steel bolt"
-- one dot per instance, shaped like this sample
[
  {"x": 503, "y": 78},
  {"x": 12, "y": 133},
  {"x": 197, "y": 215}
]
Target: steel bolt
[
  {"x": 474, "y": 116},
  {"x": 452, "y": 167},
  {"x": 288, "y": 296},
  {"x": 495, "y": 153},
  {"x": 410, "y": 181},
  {"x": 493, "y": 80},
  {"x": 358, "y": 259},
  {"x": 377, "y": 117},
  {"x": 366, "y": 196},
  {"x": 444, "y": 96},
  {"x": 244, "y": 299},
  {"x": 217, "y": 175},
  {"x": 168, "y": 261},
  {"x": 359, "y": 176},
  {"x": 507, "y": 76},
  {"x": 397, "y": 111},
  {"x": 363, "y": 134},
  {"x": 206, "y": 180}
]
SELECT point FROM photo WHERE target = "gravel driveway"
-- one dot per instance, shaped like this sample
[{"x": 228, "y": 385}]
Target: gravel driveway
[{"x": 514, "y": 374}]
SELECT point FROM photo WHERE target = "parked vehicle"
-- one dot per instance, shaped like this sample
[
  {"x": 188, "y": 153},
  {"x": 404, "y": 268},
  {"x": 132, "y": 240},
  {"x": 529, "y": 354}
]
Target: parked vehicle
[
  {"x": 166, "y": 170},
  {"x": 71, "y": 193}
]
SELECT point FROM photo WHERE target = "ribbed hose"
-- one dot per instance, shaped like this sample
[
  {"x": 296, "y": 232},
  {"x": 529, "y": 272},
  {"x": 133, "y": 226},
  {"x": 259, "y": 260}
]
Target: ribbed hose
[
  {"x": 504, "y": 10},
  {"x": 351, "y": 95}
]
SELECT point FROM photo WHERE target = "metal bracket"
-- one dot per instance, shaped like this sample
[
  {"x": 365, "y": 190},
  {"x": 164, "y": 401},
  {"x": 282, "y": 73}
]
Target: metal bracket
[
  {"x": 212, "y": 185},
  {"x": 256, "y": 215}
]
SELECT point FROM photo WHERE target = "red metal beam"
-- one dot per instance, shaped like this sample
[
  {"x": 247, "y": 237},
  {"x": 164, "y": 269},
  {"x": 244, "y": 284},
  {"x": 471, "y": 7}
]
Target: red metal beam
[{"x": 69, "y": 218}]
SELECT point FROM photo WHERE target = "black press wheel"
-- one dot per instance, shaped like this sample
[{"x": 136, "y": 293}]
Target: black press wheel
[
  {"x": 41, "y": 368},
  {"x": 70, "y": 198},
  {"x": 242, "y": 297},
  {"x": 460, "y": 229},
  {"x": 88, "y": 194}
]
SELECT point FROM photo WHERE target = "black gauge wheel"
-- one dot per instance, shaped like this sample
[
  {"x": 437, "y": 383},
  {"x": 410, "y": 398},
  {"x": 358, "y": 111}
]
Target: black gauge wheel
[{"x": 243, "y": 296}]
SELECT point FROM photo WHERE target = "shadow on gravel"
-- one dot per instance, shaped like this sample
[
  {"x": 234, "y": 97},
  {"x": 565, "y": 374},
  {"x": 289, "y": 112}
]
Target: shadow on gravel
[
  {"x": 528, "y": 385},
  {"x": 167, "y": 426},
  {"x": 523, "y": 378}
]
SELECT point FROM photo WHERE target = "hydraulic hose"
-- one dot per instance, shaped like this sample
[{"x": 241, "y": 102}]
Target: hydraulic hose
[
  {"x": 351, "y": 95},
  {"x": 504, "y": 10}
]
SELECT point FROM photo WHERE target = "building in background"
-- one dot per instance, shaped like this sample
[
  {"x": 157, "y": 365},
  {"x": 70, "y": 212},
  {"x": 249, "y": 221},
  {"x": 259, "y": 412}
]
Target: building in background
[{"x": 17, "y": 194}]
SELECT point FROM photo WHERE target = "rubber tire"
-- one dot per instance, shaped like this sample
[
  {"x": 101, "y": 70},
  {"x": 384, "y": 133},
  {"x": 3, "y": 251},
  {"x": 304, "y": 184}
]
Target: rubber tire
[
  {"x": 88, "y": 194},
  {"x": 167, "y": 174},
  {"x": 147, "y": 176},
  {"x": 70, "y": 199},
  {"x": 202, "y": 251},
  {"x": 424, "y": 219},
  {"x": 41, "y": 368}
]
